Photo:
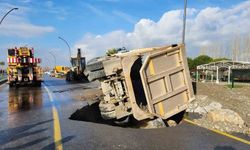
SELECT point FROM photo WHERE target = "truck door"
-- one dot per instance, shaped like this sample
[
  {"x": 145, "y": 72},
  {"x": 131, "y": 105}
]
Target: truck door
[{"x": 166, "y": 81}]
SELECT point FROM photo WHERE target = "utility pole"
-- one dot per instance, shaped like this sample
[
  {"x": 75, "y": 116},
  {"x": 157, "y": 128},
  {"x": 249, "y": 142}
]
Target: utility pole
[
  {"x": 53, "y": 57},
  {"x": 184, "y": 21}
]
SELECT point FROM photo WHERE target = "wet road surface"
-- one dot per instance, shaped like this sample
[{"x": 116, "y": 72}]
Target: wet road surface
[{"x": 28, "y": 120}]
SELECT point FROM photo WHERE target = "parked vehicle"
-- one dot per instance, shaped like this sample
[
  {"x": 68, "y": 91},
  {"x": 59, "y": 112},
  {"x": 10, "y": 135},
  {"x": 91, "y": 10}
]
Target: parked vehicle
[
  {"x": 62, "y": 70},
  {"x": 52, "y": 73}
]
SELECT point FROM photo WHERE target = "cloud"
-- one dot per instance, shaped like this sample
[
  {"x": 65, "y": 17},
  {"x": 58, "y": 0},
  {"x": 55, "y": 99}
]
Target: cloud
[
  {"x": 95, "y": 10},
  {"x": 124, "y": 16},
  {"x": 49, "y": 4},
  {"x": 204, "y": 27},
  {"x": 25, "y": 30},
  {"x": 55, "y": 10},
  {"x": 18, "y": 24}
]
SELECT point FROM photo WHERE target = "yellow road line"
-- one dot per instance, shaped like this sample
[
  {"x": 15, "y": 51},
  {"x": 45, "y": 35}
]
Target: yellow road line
[
  {"x": 222, "y": 133},
  {"x": 57, "y": 128}
]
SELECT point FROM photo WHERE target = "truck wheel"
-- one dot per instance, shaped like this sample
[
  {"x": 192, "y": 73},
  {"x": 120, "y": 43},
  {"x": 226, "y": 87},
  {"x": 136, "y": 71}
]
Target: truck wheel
[
  {"x": 11, "y": 84},
  {"x": 38, "y": 84},
  {"x": 96, "y": 75},
  {"x": 68, "y": 76},
  {"x": 95, "y": 64},
  {"x": 108, "y": 115},
  {"x": 123, "y": 121}
]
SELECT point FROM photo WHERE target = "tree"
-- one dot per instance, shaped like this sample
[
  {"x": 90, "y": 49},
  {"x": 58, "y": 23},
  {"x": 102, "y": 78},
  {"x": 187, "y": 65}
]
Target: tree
[
  {"x": 202, "y": 59},
  {"x": 190, "y": 63},
  {"x": 219, "y": 59},
  {"x": 111, "y": 51},
  {"x": 2, "y": 63}
]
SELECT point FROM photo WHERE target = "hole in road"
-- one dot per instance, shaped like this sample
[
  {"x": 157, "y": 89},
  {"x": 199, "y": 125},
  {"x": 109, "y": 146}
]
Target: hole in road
[{"x": 91, "y": 113}]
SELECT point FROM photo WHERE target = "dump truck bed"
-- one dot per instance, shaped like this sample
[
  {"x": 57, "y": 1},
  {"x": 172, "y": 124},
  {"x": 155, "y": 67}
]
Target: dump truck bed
[{"x": 166, "y": 81}]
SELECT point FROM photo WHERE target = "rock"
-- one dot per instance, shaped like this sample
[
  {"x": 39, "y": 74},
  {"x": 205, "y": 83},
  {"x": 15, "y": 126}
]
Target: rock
[
  {"x": 200, "y": 110},
  {"x": 153, "y": 124},
  {"x": 212, "y": 106},
  {"x": 216, "y": 127},
  {"x": 171, "y": 123},
  {"x": 189, "y": 110},
  {"x": 225, "y": 115}
]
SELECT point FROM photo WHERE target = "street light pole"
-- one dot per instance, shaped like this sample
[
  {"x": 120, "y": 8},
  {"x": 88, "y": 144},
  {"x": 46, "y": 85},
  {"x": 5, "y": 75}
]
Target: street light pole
[
  {"x": 53, "y": 57},
  {"x": 7, "y": 14},
  {"x": 184, "y": 21},
  {"x": 47, "y": 62},
  {"x": 68, "y": 47}
]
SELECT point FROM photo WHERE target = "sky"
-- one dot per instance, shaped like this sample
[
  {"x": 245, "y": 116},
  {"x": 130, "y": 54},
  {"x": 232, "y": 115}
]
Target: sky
[{"x": 98, "y": 25}]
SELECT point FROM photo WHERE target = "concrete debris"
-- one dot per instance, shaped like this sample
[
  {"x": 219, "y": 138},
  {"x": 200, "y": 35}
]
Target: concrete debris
[
  {"x": 213, "y": 106},
  {"x": 199, "y": 110},
  {"x": 171, "y": 123},
  {"x": 203, "y": 105},
  {"x": 225, "y": 115},
  {"x": 223, "y": 126},
  {"x": 153, "y": 124},
  {"x": 214, "y": 116}
]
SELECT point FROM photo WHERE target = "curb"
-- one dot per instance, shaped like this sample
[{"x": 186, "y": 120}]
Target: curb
[{"x": 2, "y": 81}]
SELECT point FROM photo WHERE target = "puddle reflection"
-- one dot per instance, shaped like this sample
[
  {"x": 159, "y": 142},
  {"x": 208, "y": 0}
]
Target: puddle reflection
[{"x": 24, "y": 98}]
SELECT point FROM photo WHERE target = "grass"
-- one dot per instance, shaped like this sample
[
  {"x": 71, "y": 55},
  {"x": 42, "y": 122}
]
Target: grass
[{"x": 235, "y": 86}]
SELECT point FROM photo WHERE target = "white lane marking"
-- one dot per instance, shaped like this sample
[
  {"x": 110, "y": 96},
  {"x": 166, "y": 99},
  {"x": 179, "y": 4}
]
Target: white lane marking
[{"x": 57, "y": 127}]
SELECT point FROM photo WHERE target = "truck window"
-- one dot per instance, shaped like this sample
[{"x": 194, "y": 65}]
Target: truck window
[{"x": 11, "y": 52}]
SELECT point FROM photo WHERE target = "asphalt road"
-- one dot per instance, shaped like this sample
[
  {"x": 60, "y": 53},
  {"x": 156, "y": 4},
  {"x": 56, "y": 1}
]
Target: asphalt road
[{"x": 38, "y": 118}]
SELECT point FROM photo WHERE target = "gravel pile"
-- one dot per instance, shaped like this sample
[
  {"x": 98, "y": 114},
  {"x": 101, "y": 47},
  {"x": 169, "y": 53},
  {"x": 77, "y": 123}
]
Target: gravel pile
[{"x": 214, "y": 116}]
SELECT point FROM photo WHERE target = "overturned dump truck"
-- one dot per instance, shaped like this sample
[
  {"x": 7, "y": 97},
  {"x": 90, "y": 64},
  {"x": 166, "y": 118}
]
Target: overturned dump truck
[{"x": 144, "y": 83}]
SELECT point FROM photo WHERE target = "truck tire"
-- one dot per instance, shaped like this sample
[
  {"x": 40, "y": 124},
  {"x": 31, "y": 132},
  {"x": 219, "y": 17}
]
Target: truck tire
[
  {"x": 123, "y": 121},
  {"x": 96, "y": 75},
  {"x": 68, "y": 76},
  {"x": 108, "y": 115},
  {"x": 38, "y": 84},
  {"x": 11, "y": 84}
]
